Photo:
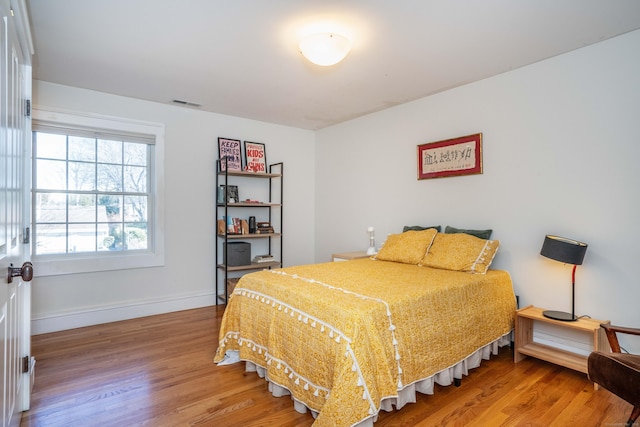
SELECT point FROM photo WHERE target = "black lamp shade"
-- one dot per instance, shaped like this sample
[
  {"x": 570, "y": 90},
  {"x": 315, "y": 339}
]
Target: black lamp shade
[{"x": 564, "y": 250}]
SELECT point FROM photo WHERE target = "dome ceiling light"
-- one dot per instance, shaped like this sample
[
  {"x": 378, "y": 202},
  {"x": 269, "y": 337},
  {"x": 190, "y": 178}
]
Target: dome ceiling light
[{"x": 325, "y": 49}]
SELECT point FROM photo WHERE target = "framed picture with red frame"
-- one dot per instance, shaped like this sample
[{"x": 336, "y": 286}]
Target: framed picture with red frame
[{"x": 451, "y": 157}]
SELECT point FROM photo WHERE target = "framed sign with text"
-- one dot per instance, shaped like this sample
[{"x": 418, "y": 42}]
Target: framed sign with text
[
  {"x": 255, "y": 157},
  {"x": 229, "y": 148},
  {"x": 451, "y": 157}
]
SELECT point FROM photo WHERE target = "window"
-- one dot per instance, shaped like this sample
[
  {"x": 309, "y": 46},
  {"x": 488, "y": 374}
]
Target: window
[{"x": 95, "y": 204}]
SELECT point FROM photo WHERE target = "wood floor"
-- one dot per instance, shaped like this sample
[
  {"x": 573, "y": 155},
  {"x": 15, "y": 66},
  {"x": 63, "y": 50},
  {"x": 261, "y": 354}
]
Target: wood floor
[{"x": 158, "y": 371}]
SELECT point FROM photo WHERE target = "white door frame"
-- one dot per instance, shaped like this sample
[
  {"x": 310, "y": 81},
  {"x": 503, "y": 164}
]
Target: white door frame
[{"x": 16, "y": 49}]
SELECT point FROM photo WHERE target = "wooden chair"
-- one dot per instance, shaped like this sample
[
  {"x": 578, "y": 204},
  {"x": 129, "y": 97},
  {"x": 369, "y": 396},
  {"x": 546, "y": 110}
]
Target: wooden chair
[{"x": 616, "y": 371}]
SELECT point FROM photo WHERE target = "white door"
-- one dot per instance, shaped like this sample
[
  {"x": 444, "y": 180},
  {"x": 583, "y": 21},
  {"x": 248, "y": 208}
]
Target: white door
[{"x": 15, "y": 137}]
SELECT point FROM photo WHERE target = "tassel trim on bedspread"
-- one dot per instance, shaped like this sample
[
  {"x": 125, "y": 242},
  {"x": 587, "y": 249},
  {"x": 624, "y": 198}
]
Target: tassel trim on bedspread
[
  {"x": 331, "y": 332},
  {"x": 407, "y": 394},
  {"x": 296, "y": 378},
  {"x": 392, "y": 327}
]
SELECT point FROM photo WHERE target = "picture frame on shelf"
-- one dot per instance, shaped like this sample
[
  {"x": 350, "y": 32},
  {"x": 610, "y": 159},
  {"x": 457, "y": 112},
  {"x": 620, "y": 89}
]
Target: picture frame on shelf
[
  {"x": 451, "y": 157},
  {"x": 255, "y": 157},
  {"x": 231, "y": 192},
  {"x": 230, "y": 149}
]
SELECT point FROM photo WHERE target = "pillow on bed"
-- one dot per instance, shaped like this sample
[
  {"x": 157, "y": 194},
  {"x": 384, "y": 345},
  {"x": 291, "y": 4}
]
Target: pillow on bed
[
  {"x": 408, "y": 247},
  {"x": 419, "y": 228},
  {"x": 482, "y": 234},
  {"x": 461, "y": 252}
]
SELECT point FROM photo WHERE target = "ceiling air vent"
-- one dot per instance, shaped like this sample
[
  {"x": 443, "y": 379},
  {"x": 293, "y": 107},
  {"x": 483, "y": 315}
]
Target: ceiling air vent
[{"x": 186, "y": 103}]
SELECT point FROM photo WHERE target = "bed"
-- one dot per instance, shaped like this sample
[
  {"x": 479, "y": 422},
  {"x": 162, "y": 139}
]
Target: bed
[{"x": 348, "y": 339}]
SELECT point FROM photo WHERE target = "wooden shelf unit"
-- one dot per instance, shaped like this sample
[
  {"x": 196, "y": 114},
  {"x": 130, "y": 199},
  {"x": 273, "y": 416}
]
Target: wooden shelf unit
[
  {"x": 526, "y": 346},
  {"x": 252, "y": 266},
  {"x": 223, "y": 210},
  {"x": 247, "y": 204},
  {"x": 249, "y": 236}
]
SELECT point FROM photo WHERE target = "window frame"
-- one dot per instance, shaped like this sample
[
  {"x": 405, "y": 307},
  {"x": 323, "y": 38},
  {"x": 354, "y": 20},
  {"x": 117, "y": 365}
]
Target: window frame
[{"x": 86, "y": 262}]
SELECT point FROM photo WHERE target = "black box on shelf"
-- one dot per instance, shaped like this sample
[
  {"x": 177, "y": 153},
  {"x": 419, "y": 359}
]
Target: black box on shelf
[{"x": 238, "y": 253}]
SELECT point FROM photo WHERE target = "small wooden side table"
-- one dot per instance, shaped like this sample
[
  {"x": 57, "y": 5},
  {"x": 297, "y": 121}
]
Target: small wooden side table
[
  {"x": 525, "y": 346},
  {"x": 346, "y": 256}
]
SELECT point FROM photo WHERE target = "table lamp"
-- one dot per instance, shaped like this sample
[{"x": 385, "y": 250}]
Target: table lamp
[
  {"x": 372, "y": 241},
  {"x": 567, "y": 251}
]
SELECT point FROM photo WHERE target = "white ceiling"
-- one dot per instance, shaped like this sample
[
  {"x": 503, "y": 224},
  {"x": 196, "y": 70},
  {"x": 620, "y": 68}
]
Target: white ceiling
[{"x": 240, "y": 57}]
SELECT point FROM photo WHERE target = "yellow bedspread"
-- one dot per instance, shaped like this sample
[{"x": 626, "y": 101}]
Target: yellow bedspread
[{"x": 343, "y": 336}]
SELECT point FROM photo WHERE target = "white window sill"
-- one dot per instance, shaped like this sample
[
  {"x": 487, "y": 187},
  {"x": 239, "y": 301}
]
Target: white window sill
[{"x": 52, "y": 266}]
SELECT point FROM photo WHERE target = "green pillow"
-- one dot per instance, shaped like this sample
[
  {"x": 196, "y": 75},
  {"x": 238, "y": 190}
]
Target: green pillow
[
  {"x": 483, "y": 234},
  {"x": 419, "y": 228}
]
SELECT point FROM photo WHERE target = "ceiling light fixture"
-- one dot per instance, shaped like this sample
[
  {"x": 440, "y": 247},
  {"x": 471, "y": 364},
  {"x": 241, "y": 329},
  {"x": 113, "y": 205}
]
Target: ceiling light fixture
[{"x": 325, "y": 49}]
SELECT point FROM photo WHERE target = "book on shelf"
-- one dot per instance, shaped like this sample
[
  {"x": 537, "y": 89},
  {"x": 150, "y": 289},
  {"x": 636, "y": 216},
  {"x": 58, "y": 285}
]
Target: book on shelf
[
  {"x": 263, "y": 258},
  {"x": 233, "y": 226},
  {"x": 264, "y": 228}
]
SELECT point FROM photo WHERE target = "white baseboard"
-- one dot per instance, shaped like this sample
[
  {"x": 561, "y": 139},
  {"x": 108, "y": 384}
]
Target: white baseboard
[{"x": 99, "y": 315}]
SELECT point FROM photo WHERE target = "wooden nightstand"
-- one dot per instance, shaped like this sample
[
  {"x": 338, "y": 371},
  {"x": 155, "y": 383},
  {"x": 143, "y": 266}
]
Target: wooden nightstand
[
  {"x": 525, "y": 346},
  {"x": 345, "y": 256}
]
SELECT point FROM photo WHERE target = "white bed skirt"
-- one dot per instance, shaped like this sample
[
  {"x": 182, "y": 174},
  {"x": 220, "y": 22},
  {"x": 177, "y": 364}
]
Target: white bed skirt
[{"x": 406, "y": 395}]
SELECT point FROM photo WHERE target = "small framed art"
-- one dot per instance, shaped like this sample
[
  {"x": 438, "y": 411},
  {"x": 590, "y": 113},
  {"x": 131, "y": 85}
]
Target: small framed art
[
  {"x": 229, "y": 149},
  {"x": 228, "y": 193},
  {"x": 451, "y": 157},
  {"x": 255, "y": 157}
]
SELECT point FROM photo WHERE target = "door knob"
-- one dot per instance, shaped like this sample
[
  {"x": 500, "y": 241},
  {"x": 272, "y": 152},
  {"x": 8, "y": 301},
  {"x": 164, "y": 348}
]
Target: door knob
[{"x": 26, "y": 272}]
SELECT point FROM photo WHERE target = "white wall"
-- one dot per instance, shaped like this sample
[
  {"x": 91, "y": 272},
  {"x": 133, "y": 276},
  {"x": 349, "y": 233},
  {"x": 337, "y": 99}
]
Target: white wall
[
  {"x": 561, "y": 145},
  {"x": 187, "y": 279},
  {"x": 561, "y": 156}
]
